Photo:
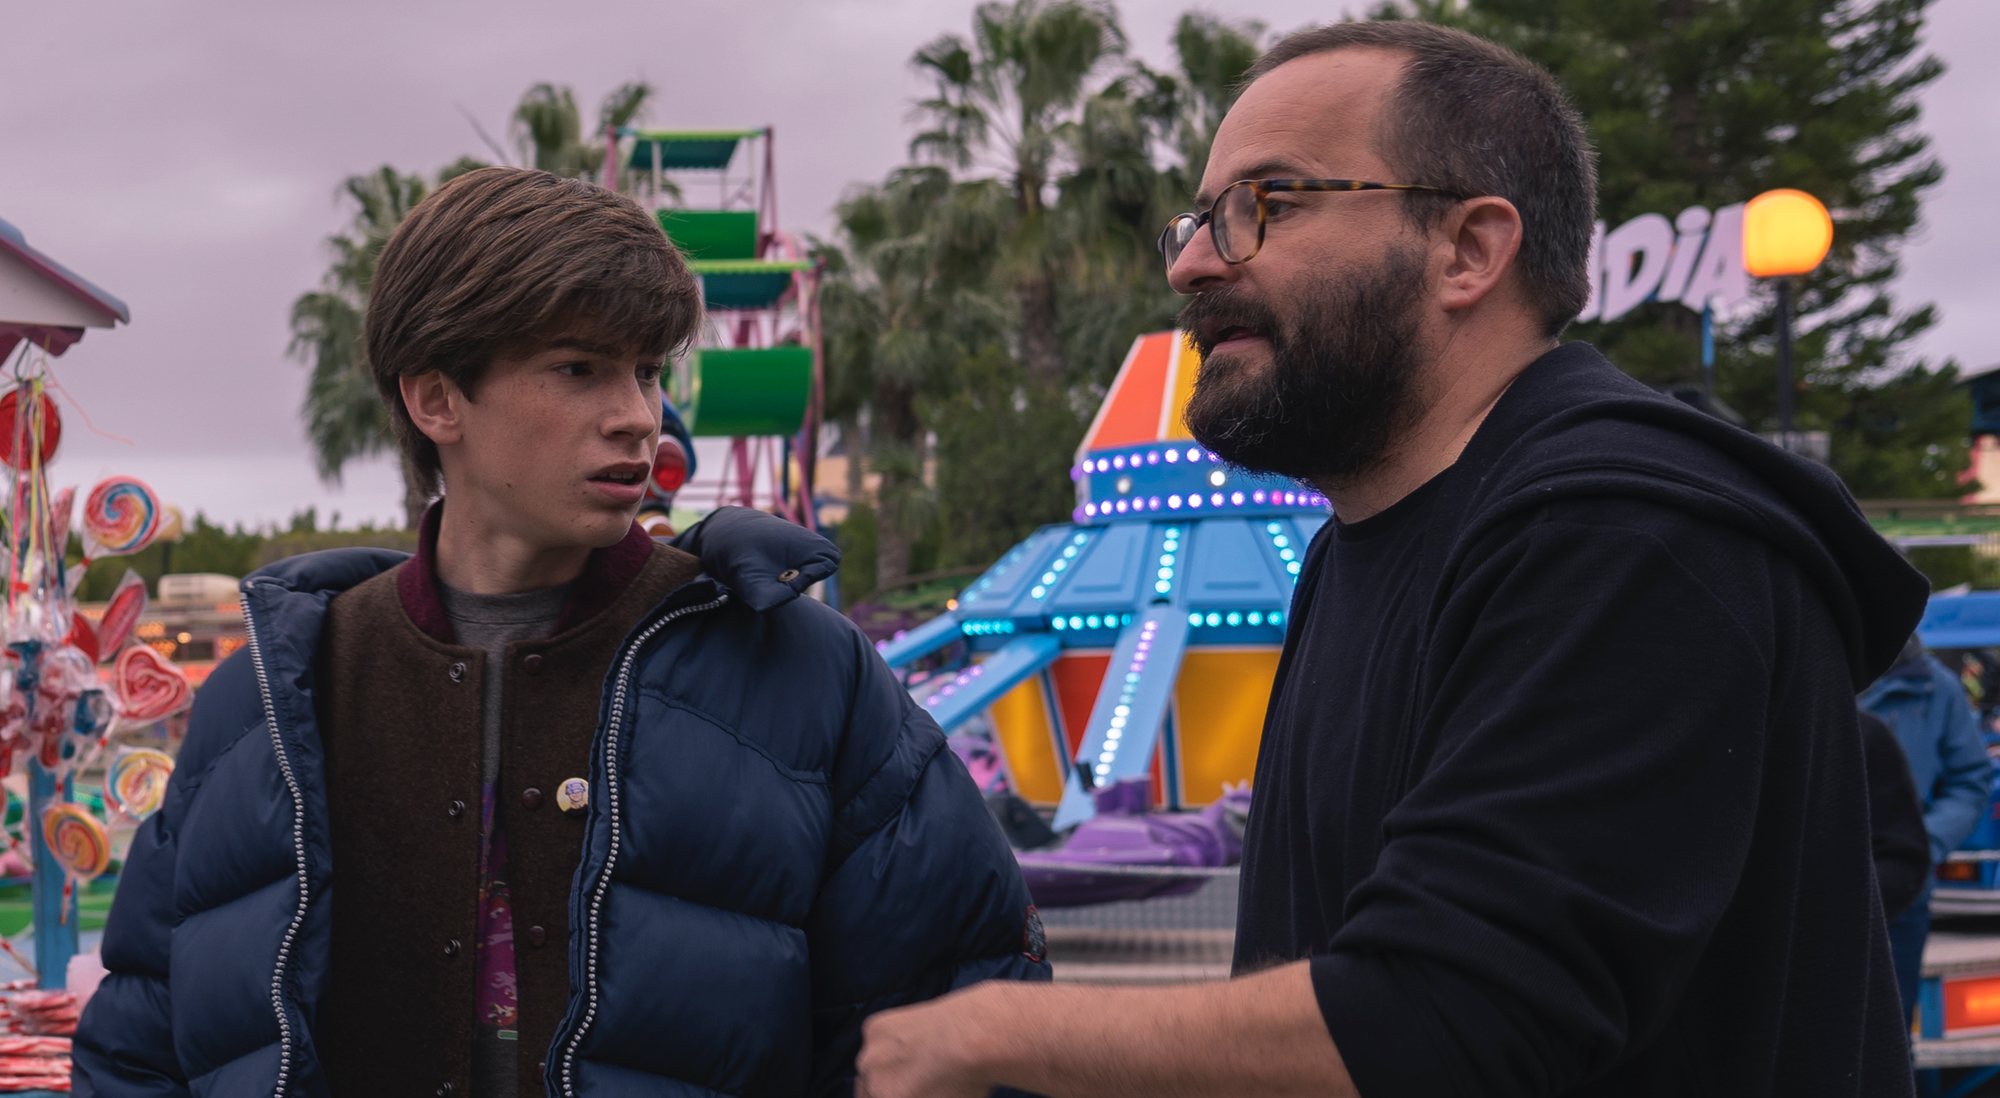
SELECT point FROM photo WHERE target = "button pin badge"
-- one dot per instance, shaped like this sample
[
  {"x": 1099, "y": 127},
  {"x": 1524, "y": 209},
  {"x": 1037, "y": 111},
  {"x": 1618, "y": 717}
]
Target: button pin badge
[{"x": 573, "y": 794}]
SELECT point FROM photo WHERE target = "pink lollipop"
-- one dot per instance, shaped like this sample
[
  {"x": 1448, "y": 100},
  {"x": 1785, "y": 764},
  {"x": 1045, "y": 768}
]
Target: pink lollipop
[{"x": 121, "y": 516}]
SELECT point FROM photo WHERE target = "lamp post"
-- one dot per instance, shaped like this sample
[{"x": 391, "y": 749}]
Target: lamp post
[{"x": 1785, "y": 233}]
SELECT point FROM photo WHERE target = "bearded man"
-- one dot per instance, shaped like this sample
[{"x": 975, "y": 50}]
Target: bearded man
[{"x": 1560, "y": 790}]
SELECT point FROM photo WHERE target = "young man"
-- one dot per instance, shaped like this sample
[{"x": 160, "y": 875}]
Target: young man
[
  {"x": 1560, "y": 790},
  {"x": 547, "y": 808}
]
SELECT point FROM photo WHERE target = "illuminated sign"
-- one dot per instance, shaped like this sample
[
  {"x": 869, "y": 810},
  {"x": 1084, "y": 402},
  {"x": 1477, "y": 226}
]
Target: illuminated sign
[{"x": 1696, "y": 260}]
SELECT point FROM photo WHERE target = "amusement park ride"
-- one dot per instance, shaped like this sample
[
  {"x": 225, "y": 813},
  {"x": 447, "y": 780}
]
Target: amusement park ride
[
  {"x": 1138, "y": 643},
  {"x": 756, "y": 379}
]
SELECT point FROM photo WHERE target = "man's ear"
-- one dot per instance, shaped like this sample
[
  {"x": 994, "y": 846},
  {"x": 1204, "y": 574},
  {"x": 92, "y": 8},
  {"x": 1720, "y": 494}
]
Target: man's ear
[
  {"x": 1484, "y": 235},
  {"x": 434, "y": 404}
]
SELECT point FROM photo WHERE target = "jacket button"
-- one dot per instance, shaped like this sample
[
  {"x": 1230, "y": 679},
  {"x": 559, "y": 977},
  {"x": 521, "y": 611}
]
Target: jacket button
[
  {"x": 531, "y": 798},
  {"x": 537, "y": 935},
  {"x": 455, "y": 809},
  {"x": 788, "y": 575},
  {"x": 451, "y": 948},
  {"x": 457, "y": 674},
  {"x": 532, "y": 663}
]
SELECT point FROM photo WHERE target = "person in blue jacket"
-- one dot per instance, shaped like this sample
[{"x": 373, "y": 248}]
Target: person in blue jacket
[
  {"x": 548, "y": 807},
  {"x": 1925, "y": 705}
]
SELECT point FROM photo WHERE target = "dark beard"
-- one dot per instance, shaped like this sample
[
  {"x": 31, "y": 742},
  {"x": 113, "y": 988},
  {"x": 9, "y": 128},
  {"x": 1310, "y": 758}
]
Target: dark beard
[{"x": 1342, "y": 386}]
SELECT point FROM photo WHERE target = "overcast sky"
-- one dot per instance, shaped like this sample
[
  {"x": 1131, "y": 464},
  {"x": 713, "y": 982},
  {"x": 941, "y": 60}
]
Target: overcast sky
[{"x": 185, "y": 157}]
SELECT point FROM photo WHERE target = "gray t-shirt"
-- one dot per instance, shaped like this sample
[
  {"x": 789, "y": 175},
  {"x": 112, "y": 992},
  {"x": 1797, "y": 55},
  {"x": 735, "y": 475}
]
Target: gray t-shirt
[{"x": 492, "y": 622}]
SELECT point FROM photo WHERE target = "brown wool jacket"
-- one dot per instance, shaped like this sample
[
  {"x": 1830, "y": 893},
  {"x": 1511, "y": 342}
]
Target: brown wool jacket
[{"x": 401, "y": 718}]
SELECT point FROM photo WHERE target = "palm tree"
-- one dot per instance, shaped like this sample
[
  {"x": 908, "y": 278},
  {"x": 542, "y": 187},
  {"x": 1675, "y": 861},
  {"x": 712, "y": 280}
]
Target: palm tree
[
  {"x": 1116, "y": 196},
  {"x": 901, "y": 304},
  {"x": 1213, "y": 55},
  {"x": 549, "y": 129},
  {"x": 343, "y": 414},
  {"x": 1004, "y": 99}
]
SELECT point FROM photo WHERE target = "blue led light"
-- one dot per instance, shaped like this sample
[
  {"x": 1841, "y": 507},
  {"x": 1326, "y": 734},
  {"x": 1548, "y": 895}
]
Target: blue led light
[
  {"x": 1094, "y": 621},
  {"x": 1163, "y": 587},
  {"x": 1292, "y": 567},
  {"x": 1256, "y": 618},
  {"x": 1214, "y": 619},
  {"x": 1234, "y": 618},
  {"x": 1277, "y": 618},
  {"x": 1059, "y": 624},
  {"x": 1194, "y": 620},
  {"x": 1076, "y": 623}
]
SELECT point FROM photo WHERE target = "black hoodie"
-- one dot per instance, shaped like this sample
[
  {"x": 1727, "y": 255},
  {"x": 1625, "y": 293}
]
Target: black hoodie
[{"x": 1561, "y": 788}]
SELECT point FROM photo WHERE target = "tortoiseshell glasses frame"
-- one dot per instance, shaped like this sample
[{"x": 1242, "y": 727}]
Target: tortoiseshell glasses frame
[{"x": 1241, "y": 205}]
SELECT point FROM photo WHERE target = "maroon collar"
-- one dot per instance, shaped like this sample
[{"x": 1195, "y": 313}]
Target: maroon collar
[{"x": 605, "y": 575}]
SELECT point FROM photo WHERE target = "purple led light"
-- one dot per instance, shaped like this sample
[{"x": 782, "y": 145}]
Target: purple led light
[
  {"x": 1194, "y": 501},
  {"x": 1152, "y": 457},
  {"x": 1153, "y": 503},
  {"x": 1258, "y": 496},
  {"x": 1216, "y": 499},
  {"x": 1118, "y": 462},
  {"x": 1236, "y": 499},
  {"x": 1090, "y": 510},
  {"x": 1173, "y": 503},
  {"x": 1214, "y": 458},
  {"x": 1123, "y": 507},
  {"x": 1173, "y": 457}
]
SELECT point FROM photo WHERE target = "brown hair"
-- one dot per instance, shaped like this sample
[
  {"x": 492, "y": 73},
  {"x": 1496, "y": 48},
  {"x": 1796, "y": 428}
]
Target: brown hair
[
  {"x": 500, "y": 260},
  {"x": 1475, "y": 118}
]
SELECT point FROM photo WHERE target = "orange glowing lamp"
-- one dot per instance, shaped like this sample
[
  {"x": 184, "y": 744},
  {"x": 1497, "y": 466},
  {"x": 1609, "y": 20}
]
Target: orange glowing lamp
[{"x": 1785, "y": 232}]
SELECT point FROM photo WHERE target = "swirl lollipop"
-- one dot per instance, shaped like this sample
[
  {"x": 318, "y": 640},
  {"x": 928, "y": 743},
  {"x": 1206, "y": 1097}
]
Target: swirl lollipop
[
  {"x": 136, "y": 781},
  {"x": 121, "y": 516},
  {"x": 78, "y": 843},
  {"x": 148, "y": 685}
]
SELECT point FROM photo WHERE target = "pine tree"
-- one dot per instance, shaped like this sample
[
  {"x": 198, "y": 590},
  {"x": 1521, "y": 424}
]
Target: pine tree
[{"x": 1709, "y": 102}]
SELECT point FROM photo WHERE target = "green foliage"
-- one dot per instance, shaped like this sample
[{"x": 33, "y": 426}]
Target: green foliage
[
  {"x": 1004, "y": 470},
  {"x": 230, "y": 551},
  {"x": 856, "y": 538},
  {"x": 1951, "y": 565}
]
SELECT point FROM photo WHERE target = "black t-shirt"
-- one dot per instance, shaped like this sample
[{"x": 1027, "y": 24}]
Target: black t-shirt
[{"x": 1561, "y": 789}]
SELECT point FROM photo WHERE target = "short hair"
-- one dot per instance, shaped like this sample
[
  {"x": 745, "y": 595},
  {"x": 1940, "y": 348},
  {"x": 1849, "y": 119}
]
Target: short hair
[
  {"x": 501, "y": 260},
  {"x": 1476, "y": 118}
]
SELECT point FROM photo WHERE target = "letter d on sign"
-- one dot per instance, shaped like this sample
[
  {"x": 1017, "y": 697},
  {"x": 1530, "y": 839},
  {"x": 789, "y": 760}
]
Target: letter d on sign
[{"x": 1635, "y": 260}]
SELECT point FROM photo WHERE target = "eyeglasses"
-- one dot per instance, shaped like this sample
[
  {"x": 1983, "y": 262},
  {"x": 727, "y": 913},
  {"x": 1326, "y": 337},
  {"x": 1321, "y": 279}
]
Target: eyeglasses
[{"x": 1236, "y": 218}]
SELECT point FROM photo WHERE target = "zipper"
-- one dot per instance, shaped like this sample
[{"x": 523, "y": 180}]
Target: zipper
[
  {"x": 603, "y": 883},
  {"x": 298, "y": 850}
]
